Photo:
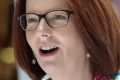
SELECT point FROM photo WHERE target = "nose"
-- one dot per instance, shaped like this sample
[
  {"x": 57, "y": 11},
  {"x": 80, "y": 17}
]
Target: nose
[{"x": 43, "y": 30}]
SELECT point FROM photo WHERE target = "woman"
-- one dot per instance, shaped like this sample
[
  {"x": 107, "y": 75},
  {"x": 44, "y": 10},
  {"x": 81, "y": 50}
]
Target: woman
[{"x": 67, "y": 39}]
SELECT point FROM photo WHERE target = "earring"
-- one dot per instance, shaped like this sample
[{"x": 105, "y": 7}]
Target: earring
[
  {"x": 34, "y": 61},
  {"x": 46, "y": 77},
  {"x": 88, "y": 55}
]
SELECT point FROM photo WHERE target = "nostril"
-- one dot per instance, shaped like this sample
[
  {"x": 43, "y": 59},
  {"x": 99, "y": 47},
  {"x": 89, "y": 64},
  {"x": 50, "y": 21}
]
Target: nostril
[{"x": 44, "y": 35}]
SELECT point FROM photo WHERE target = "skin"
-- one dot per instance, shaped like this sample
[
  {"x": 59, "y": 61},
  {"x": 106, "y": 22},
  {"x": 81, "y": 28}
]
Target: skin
[
  {"x": 116, "y": 6},
  {"x": 70, "y": 62}
]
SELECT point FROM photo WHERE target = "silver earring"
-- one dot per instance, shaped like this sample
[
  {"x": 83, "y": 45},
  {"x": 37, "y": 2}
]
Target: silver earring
[
  {"x": 88, "y": 55},
  {"x": 46, "y": 77},
  {"x": 33, "y": 61}
]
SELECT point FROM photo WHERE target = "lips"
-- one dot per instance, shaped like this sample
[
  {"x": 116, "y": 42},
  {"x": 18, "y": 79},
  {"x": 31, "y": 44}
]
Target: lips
[{"x": 48, "y": 50}]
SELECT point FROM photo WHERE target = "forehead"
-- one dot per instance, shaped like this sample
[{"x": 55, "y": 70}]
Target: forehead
[{"x": 45, "y": 5}]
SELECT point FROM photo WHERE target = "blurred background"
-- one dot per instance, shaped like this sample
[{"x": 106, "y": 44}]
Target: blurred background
[
  {"x": 7, "y": 62},
  {"x": 8, "y": 69}
]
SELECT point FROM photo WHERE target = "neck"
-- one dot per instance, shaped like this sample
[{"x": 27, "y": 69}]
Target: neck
[{"x": 81, "y": 74}]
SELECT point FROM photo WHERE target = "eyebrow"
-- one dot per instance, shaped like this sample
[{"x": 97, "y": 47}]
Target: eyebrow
[{"x": 46, "y": 11}]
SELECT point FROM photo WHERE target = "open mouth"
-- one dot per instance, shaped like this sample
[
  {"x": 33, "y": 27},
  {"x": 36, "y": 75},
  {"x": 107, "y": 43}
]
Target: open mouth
[{"x": 47, "y": 51}]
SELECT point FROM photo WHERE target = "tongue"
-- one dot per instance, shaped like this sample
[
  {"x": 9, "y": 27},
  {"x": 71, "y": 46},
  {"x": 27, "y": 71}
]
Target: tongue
[{"x": 48, "y": 51}]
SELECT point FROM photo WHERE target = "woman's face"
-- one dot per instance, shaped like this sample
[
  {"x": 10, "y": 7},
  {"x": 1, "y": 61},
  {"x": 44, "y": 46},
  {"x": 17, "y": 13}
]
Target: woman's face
[{"x": 58, "y": 51}]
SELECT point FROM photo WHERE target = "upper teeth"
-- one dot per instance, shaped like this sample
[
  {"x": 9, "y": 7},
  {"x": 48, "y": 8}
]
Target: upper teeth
[{"x": 47, "y": 48}]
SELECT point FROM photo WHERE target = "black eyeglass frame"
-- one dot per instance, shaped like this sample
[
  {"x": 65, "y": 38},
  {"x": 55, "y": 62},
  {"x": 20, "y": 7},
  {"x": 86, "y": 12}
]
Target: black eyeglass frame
[{"x": 40, "y": 16}]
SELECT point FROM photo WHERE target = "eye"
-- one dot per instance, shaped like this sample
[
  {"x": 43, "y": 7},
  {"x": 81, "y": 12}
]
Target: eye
[
  {"x": 32, "y": 20},
  {"x": 60, "y": 17}
]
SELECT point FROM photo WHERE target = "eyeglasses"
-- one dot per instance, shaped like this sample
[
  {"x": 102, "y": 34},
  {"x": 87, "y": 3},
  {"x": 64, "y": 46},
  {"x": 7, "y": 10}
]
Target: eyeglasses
[{"x": 54, "y": 19}]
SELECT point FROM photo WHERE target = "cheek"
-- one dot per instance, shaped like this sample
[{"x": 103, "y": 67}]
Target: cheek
[
  {"x": 30, "y": 39},
  {"x": 73, "y": 48},
  {"x": 70, "y": 39},
  {"x": 74, "y": 44}
]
